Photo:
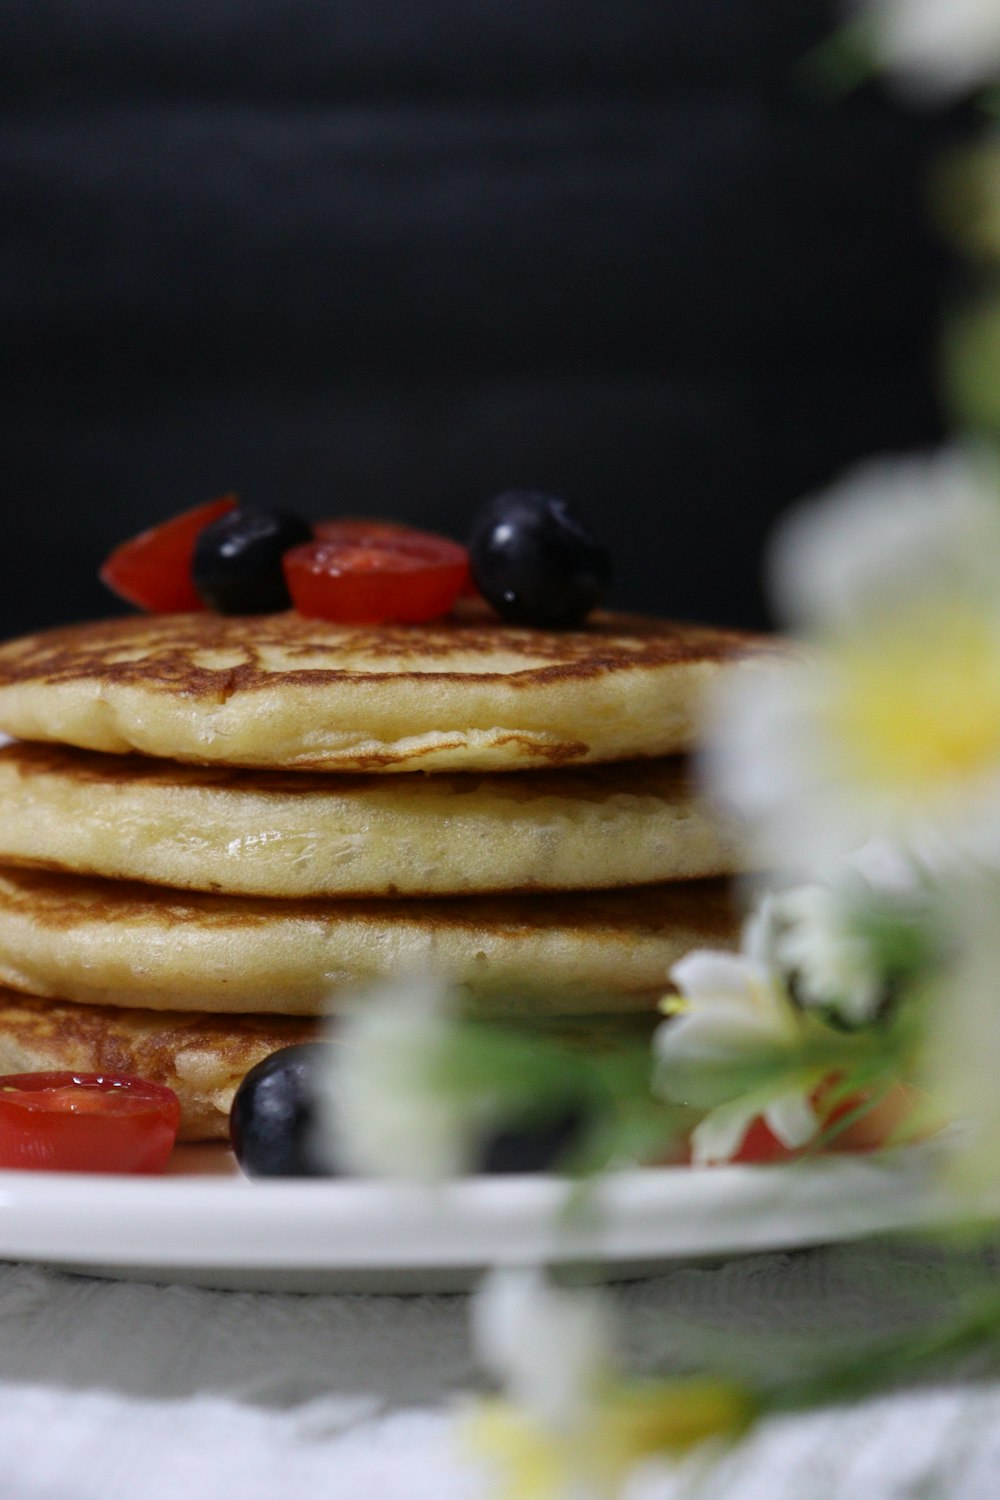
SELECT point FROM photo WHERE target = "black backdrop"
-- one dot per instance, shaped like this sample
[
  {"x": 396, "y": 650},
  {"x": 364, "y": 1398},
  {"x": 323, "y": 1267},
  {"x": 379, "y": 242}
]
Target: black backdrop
[{"x": 387, "y": 257}]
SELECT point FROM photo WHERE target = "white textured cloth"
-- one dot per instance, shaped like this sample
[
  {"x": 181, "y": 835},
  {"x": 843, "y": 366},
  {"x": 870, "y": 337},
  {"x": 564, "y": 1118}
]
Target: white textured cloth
[{"x": 116, "y": 1390}]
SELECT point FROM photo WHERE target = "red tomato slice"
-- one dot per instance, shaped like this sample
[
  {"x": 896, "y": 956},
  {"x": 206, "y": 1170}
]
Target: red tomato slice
[
  {"x": 368, "y": 533},
  {"x": 371, "y": 572},
  {"x": 761, "y": 1145},
  {"x": 86, "y": 1122},
  {"x": 153, "y": 570}
]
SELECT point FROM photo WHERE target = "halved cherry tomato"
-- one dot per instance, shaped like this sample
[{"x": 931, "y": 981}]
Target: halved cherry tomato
[
  {"x": 153, "y": 570},
  {"x": 86, "y": 1122},
  {"x": 370, "y": 572},
  {"x": 379, "y": 533},
  {"x": 761, "y": 1145},
  {"x": 368, "y": 533}
]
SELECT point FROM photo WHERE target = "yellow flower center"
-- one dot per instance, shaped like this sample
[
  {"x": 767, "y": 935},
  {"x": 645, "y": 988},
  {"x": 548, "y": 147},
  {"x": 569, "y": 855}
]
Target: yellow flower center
[
  {"x": 663, "y": 1419},
  {"x": 917, "y": 704},
  {"x": 670, "y": 1417},
  {"x": 530, "y": 1463}
]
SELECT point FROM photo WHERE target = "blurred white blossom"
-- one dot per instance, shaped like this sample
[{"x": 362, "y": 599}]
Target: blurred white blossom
[
  {"x": 730, "y": 1007},
  {"x": 567, "y": 1426},
  {"x": 387, "y": 1113},
  {"x": 936, "y": 48},
  {"x": 888, "y": 527},
  {"x": 811, "y": 937},
  {"x": 885, "y": 725},
  {"x": 550, "y": 1350},
  {"x": 550, "y": 1347}
]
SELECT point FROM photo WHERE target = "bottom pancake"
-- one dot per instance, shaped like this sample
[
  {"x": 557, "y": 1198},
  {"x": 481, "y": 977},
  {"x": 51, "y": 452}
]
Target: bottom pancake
[
  {"x": 201, "y": 1057},
  {"x": 111, "y": 942}
]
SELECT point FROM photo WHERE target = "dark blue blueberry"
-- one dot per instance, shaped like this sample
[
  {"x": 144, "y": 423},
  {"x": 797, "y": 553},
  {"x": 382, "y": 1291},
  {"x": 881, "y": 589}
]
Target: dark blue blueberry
[
  {"x": 237, "y": 560},
  {"x": 273, "y": 1125},
  {"x": 533, "y": 558}
]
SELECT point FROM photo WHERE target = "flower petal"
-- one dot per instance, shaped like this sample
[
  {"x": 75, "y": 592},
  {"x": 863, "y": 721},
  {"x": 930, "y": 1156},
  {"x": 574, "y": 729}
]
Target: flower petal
[
  {"x": 707, "y": 974},
  {"x": 937, "y": 48},
  {"x": 551, "y": 1346},
  {"x": 714, "y": 1033},
  {"x": 792, "y": 1119},
  {"x": 887, "y": 530},
  {"x": 719, "y": 1136}
]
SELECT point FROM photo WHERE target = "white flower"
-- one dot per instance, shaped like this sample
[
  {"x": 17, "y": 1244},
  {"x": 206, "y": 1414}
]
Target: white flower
[
  {"x": 811, "y": 937},
  {"x": 884, "y": 867},
  {"x": 567, "y": 1426},
  {"x": 887, "y": 724},
  {"x": 550, "y": 1347},
  {"x": 730, "y": 1008},
  {"x": 937, "y": 48},
  {"x": 888, "y": 527},
  {"x": 387, "y": 1112}
]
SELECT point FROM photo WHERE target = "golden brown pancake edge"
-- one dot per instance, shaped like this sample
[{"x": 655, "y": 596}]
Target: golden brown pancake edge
[
  {"x": 295, "y": 834},
  {"x": 109, "y": 942},
  {"x": 280, "y": 691}
]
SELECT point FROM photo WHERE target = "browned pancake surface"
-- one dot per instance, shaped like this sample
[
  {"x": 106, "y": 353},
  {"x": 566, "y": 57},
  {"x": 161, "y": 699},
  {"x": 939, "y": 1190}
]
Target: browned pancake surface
[
  {"x": 282, "y": 691},
  {"x": 290, "y": 834},
  {"x": 201, "y": 1057},
  {"x": 123, "y": 943},
  {"x": 214, "y": 656}
]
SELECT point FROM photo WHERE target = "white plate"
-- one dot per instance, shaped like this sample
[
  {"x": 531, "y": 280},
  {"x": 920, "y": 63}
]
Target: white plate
[{"x": 204, "y": 1223}]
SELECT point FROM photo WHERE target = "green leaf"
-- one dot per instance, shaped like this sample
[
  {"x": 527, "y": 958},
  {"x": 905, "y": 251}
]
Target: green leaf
[{"x": 971, "y": 364}]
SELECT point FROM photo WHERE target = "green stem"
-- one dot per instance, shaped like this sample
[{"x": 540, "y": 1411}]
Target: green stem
[{"x": 903, "y": 1357}]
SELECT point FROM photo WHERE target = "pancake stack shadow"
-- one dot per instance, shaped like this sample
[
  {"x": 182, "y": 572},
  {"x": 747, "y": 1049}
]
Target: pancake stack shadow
[{"x": 214, "y": 832}]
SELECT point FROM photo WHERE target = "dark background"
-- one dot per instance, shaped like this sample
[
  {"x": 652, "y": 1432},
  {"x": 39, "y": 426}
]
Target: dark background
[{"x": 391, "y": 256}]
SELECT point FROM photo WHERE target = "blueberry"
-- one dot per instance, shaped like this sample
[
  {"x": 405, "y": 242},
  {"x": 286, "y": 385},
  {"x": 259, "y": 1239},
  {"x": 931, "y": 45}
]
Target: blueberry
[
  {"x": 273, "y": 1126},
  {"x": 535, "y": 561},
  {"x": 237, "y": 560},
  {"x": 538, "y": 1145}
]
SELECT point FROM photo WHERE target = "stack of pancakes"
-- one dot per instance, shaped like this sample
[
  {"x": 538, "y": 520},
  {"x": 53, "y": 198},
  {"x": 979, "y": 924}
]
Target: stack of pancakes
[{"x": 213, "y": 829}]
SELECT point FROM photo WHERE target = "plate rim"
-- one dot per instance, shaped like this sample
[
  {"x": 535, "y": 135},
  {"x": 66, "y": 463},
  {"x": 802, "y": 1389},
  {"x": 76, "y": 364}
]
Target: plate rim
[{"x": 653, "y": 1214}]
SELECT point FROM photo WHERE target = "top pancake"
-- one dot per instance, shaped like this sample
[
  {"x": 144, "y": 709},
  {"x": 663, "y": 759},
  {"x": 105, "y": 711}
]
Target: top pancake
[{"x": 285, "y": 692}]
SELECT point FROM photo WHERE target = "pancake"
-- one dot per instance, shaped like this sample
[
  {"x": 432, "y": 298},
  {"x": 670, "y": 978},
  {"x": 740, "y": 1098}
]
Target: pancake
[
  {"x": 97, "y": 941},
  {"x": 201, "y": 1057},
  {"x": 296, "y": 834},
  {"x": 279, "y": 691}
]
